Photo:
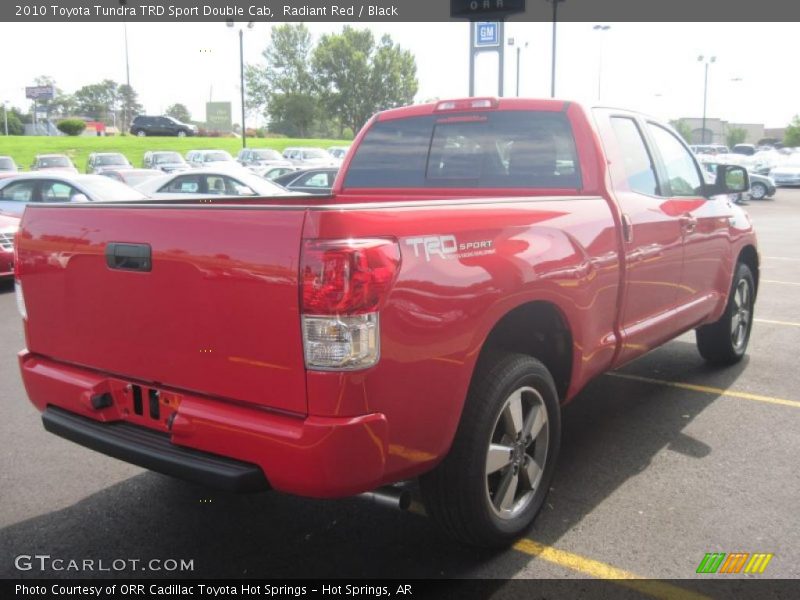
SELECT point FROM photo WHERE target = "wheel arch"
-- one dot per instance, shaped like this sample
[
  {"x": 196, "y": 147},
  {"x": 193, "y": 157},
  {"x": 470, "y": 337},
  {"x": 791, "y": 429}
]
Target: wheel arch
[
  {"x": 539, "y": 329},
  {"x": 749, "y": 256}
]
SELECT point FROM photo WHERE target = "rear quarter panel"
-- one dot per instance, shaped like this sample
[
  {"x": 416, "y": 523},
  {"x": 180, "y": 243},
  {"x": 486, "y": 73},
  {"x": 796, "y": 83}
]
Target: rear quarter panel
[{"x": 561, "y": 250}]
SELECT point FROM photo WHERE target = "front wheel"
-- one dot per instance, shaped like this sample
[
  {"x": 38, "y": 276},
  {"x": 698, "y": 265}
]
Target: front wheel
[
  {"x": 141, "y": 133},
  {"x": 489, "y": 488},
  {"x": 725, "y": 341},
  {"x": 758, "y": 191},
  {"x": 181, "y": 134}
]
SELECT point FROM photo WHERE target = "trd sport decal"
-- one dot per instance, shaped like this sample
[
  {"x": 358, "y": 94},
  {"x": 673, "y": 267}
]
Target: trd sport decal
[{"x": 447, "y": 246}]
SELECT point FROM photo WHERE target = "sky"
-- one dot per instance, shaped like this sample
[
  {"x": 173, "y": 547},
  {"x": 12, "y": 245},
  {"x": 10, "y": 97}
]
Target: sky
[{"x": 650, "y": 67}]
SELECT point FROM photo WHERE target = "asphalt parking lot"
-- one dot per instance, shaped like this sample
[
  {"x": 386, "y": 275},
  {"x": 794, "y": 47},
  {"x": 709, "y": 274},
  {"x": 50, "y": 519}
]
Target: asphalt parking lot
[{"x": 662, "y": 462}]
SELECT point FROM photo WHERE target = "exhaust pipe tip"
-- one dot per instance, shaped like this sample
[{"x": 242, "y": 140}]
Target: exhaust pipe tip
[{"x": 392, "y": 497}]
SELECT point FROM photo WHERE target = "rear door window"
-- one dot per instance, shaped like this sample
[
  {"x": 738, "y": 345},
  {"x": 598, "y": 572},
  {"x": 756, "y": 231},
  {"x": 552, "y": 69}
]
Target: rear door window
[
  {"x": 57, "y": 191},
  {"x": 185, "y": 184},
  {"x": 314, "y": 180},
  {"x": 22, "y": 191}
]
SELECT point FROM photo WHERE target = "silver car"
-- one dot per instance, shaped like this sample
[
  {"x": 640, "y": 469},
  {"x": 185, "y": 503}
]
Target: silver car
[
  {"x": 310, "y": 157},
  {"x": 210, "y": 182},
  {"x": 787, "y": 173},
  {"x": 16, "y": 192}
]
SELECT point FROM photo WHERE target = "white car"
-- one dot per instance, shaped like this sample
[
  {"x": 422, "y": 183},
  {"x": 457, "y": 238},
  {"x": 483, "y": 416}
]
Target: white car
[
  {"x": 310, "y": 157},
  {"x": 212, "y": 159},
  {"x": 258, "y": 158},
  {"x": 210, "y": 182},
  {"x": 338, "y": 153},
  {"x": 16, "y": 192},
  {"x": 787, "y": 173}
]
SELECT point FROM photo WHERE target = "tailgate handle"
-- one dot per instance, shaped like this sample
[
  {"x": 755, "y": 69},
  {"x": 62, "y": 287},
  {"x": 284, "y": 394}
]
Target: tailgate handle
[{"x": 129, "y": 257}]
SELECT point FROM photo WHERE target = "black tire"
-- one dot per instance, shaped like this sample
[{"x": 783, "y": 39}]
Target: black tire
[
  {"x": 463, "y": 494},
  {"x": 758, "y": 191},
  {"x": 141, "y": 133},
  {"x": 725, "y": 341},
  {"x": 181, "y": 133}
]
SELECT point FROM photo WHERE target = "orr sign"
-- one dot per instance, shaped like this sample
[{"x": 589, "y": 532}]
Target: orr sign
[{"x": 482, "y": 9}]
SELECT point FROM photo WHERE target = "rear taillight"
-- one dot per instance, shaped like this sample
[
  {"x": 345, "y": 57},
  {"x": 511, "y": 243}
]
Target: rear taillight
[
  {"x": 21, "y": 308},
  {"x": 23, "y": 311},
  {"x": 344, "y": 283}
]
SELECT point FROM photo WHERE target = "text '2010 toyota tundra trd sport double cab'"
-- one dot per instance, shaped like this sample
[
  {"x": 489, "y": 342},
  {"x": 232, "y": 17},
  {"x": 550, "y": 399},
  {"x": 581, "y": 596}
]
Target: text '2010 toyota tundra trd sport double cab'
[{"x": 478, "y": 262}]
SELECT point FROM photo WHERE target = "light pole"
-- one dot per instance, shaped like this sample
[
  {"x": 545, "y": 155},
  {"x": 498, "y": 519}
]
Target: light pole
[
  {"x": 122, "y": 3},
  {"x": 241, "y": 75},
  {"x": 511, "y": 42},
  {"x": 706, "y": 62},
  {"x": 553, "y": 64},
  {"x": 600, "y": 29}
]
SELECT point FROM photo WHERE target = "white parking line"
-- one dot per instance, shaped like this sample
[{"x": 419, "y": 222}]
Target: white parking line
[
  {"x": 786, "y": 323},
  {"x": 781, "y": 282}
]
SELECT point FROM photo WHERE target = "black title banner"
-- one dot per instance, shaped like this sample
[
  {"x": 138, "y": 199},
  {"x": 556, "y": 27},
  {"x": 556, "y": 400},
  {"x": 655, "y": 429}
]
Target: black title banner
[
  {"x": 398, "y": 10},
  {"x": 377, "y": 589}
]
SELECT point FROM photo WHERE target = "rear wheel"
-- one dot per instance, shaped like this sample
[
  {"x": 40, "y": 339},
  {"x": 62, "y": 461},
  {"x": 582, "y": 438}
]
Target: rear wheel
[
  {"x": 725, "y": 341},
  {"x": 141, "y": 133},
  {"x": 491, "y": 485}
]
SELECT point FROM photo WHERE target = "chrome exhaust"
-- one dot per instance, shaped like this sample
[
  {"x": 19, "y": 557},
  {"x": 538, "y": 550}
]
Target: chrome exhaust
[{"x": 392, "y": 497}]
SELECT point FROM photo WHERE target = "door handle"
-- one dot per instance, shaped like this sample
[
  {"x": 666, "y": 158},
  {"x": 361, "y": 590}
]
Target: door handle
[
  {"x": 129, "y": 257},
  {"x": 627, "y": 228}
]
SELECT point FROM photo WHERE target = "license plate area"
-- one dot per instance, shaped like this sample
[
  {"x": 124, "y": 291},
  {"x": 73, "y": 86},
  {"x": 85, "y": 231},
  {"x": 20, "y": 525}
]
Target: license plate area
[{"x": 148, "y": 406}]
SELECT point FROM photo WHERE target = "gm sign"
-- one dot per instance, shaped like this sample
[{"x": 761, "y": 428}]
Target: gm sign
[
  {"x": 480, "y": 9},
  {"x": 486, "y": 34}
]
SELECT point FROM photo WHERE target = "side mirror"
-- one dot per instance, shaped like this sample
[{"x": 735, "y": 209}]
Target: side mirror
[
  {"x": 730, "y": 179},
  {"x": 78, "y": 198}
]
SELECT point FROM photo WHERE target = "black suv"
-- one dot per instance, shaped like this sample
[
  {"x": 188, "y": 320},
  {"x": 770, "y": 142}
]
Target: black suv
[{"x": 144, "y": 125}]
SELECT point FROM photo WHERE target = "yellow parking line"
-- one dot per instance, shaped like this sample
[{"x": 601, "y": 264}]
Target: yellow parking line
[
  {"x": 781, "y": 282},
  {"x": 601, "y": 570},
  {"x": 709, "y": 390},
  {"x": 787, "y": 323}
]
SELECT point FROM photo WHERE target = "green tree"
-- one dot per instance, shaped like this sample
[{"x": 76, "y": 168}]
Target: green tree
[
  {"x": 792, "y": 136},
  {"x": 293, "y": 114},
  {"x": 180, "y": 112},
  {"x": 357, "y": 77},
  {"x": 61, "y": 105},
  {"x": 128, "y": 106},
  {"x": 98, "y": 101},
  {"x": 14, "y": 120},
  {"x": 684, "y": 129},
  {"x": 282, "y": 88},
  {"x": 735, "y": 135}
]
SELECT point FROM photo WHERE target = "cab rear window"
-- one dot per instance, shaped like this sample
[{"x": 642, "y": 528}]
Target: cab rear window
[{"x": 510, "y": 149}]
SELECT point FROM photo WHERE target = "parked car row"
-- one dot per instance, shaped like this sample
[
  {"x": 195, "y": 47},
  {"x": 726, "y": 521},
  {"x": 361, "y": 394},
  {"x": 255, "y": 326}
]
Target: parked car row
[
  {"x": 769, "y": 168},
  {"x": 166, "y": 175}
]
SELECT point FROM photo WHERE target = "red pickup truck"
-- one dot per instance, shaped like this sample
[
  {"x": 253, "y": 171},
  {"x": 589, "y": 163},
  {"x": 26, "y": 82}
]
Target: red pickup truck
[{"x": 477, "y": 263}]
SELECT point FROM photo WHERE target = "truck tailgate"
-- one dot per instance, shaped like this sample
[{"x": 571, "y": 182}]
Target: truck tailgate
[{"x": 216, "y": 312}]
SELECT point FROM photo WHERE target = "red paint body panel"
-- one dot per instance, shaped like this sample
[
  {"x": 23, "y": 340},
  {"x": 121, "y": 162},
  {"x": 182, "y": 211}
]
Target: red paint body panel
[
  {"x": 312, "y": 456},
  {"x": 222, "y": 284},
  {"x": 215, "y": 327}
]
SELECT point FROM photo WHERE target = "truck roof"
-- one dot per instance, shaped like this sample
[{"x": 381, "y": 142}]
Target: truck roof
[{"x": 473, "y": 104}]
